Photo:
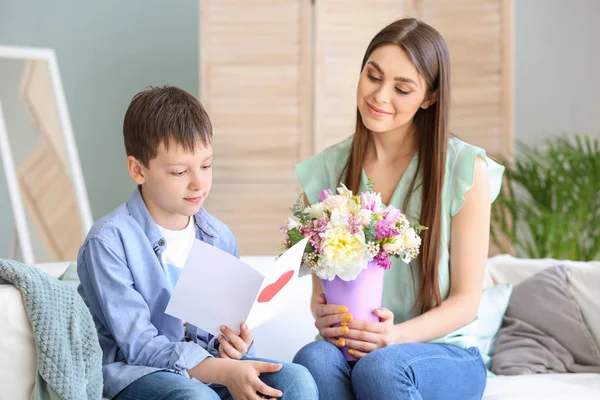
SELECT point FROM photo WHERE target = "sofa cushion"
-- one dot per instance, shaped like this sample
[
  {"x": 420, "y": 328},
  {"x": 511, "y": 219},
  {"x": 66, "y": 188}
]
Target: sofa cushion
[
  {"x": 494, "y": 301},
  {"x": 584, "y": 281},
  {"x": 544, "y": 330},
  {"x": 506, "y": 268},
  {"x": 18, "y": 361},
  {"x": 543, "y": 387},
  {"x": 54, "y": 269}
]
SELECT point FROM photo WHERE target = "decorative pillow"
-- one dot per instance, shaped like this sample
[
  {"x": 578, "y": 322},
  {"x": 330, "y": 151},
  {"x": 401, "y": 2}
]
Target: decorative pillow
[
  {"x": 494, "y": 301},
  {"x": 544, "y": 330}
]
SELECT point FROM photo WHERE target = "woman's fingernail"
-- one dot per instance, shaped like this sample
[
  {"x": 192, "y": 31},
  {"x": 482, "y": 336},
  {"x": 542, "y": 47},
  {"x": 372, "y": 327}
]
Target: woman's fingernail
[
  {"x": 343, "y": 309},
  {"x": 222, "y": 329},
  {"x": 341, "y": 343},
  {"x": 351, "y": 352},
  {"x": 344, "y": 323},
  {"x": 348, "y": 317},
  {"x": 345, "y": 329}
]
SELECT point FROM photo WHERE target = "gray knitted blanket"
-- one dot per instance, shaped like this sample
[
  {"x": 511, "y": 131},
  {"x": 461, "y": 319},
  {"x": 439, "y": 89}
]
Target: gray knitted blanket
[{"x": 68, "y": 353}]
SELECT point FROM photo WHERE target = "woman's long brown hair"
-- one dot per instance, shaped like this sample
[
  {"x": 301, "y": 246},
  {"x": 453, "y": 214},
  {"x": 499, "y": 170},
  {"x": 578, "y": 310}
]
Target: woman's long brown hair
[{"x": 429, "y": 53}]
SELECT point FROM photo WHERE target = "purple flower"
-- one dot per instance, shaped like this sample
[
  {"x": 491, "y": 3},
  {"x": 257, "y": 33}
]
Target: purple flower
[
  {"x": 385, "y": 229},
  {"x": 383, "y": 260},
  {"x": 324, "y": 194},
  {"x": 391, "y": 214}
]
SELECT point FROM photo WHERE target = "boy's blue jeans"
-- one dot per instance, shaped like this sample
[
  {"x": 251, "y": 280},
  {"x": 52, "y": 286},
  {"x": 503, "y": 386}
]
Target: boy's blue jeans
[
  {"x": 293, "y": 380},
  {"x": 412, "y": 371}
]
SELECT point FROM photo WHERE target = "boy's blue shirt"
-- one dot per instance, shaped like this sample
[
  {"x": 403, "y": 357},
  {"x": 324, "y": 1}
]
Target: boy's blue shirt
[{"x": 125, "y": 287}]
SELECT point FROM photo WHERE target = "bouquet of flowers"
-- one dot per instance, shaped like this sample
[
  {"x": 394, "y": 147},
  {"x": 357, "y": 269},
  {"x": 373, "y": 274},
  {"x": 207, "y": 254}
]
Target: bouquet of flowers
[
  {"x": 348, "y": 231},
  {"x": 352, "y": 238}
]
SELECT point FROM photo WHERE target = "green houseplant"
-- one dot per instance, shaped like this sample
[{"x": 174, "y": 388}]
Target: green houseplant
[{"x": 550, "y": 202}]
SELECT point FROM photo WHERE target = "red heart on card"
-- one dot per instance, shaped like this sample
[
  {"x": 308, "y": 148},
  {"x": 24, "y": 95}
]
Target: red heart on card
[{"x": 271, "y": 290}]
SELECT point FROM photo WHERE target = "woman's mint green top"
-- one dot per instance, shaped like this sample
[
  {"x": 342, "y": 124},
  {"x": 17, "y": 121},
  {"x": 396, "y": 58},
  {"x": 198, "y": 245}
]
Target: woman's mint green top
[{"x": 323, "y": 171}]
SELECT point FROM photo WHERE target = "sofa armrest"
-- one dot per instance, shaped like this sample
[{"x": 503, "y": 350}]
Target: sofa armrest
[{"x": 18, "y": 361}]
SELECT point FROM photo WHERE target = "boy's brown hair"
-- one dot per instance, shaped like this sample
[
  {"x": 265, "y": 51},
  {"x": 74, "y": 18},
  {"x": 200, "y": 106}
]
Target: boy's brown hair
[{"x": 166, "y": 115}]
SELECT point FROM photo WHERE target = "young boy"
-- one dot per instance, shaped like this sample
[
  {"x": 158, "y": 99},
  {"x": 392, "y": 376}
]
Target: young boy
[{"x": 132, "y": 258}]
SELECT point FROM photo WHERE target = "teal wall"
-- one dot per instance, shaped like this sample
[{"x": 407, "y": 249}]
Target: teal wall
[{"x": 107, "y": 51}]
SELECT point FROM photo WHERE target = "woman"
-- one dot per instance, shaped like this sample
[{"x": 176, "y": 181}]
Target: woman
[{"x": 423, "y": 346}]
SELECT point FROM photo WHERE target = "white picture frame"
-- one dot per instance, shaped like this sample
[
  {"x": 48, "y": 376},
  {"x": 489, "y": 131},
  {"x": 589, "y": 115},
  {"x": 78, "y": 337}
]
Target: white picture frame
[{"x": 74, "y": 166}]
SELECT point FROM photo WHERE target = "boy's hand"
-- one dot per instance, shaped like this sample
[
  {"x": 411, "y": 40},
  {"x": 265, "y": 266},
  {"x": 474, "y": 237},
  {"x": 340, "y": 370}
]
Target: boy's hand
[
  {"x": 243, "y": 382},
  {"x": 234, "y": 346}
]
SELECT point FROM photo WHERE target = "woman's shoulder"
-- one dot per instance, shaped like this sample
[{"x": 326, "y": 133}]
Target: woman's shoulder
[
  {"x": 461, "y": 153},
  {"x": 460, "y": 169},
  {"x": 458, "y": 148}
]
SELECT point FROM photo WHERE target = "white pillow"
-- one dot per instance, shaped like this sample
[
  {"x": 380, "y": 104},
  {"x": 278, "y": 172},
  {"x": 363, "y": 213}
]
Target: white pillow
[
  {"x": 584, "y": 285},
  {"x": 18, "y": 359}
]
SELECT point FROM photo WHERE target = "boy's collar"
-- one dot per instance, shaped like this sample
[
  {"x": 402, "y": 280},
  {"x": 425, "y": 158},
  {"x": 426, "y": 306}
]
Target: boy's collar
[
  {"x": 139, "y": 212},
  {"x": 204, "y": 221}
]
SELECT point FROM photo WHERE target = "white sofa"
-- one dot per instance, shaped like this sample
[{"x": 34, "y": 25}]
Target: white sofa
[{"x": 281, "y": 338}]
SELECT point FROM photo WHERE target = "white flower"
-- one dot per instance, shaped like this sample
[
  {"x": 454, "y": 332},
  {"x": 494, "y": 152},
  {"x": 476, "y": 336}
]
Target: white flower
[
  {"x": 343, "y": 191},
  {"x": 411, "y": 239},
  {"x": 407, "y": 258},
  {"x": 338, "y": 219},
  {"x": 394, "y": 246},
  {"x": 292, "y": 223},
  {"x": 372, "y": 249},
  {"x": 334, "y": 202},
  {"x": 403, "y": 222},
  {"x": 315, "y": 211},
  {"x": 365, "y": 216},
  {"x": 350, "y": 207},
  {"x": 344, "y": 255}
]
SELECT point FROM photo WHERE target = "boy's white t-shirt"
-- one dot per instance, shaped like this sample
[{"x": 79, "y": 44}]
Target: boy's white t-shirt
[{"x": 179, "y": 244}]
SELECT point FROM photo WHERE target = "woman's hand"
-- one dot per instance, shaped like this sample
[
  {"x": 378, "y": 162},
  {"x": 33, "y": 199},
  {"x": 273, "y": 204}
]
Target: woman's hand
[
  {"x": 364, "y": 337},
  {"x": 328, "y": 315},
  {"x": 234, "y": 346}
]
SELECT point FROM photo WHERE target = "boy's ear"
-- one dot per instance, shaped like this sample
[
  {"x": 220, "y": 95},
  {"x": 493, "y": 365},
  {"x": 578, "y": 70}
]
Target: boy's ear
[
  {"x": 429, "y": 100},
  {"x": 136, "y": 171}
]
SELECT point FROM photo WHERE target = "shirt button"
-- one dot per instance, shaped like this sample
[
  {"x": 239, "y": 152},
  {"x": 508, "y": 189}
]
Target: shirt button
[{"x": 161, "y": 242}]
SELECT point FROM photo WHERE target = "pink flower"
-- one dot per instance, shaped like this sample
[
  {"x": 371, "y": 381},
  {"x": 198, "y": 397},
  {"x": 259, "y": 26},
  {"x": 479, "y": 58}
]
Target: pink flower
[
  {"x": 391, "y": 214},
  {"x": 383, "y": 260},
  {"x": 325, "y": 194},
  {"x": 354, "y": 224},
  {"x": 385, "y": 229},
  {"x": 316, "y": 231},
  {"x": 370, "y": 201}
]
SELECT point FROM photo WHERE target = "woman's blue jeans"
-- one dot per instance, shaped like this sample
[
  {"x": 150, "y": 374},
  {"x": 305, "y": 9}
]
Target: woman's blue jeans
[{"x": 412, "y": 371}]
